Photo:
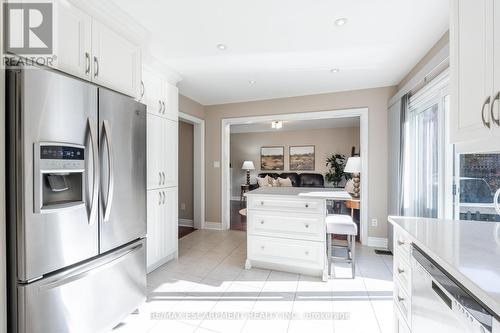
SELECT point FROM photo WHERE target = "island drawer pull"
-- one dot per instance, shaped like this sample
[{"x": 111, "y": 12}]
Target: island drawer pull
[
  {"x": 262, "y": 203},
  {"x": 262, "y": 247},
  {"x": 307, "y": 205},
  {"x": 262, "y": 222},
  {"x": 307, "y": 225},
  {"x": 307, "y": 253}
]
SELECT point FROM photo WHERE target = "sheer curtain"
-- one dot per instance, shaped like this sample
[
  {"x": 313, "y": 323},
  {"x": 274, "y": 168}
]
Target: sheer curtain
[{"x": 423, "y": 150}]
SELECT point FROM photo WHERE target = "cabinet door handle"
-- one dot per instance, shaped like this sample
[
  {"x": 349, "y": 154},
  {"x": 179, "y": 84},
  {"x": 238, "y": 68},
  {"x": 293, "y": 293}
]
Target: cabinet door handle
[
  {"x": 400, "y": 299},
  {"x": 164, "y": 178},
  {"x": 87, "y": 63},
  {"x": 164, "y": 197},
  {"x": 496, "y": 120},
  {"x": 400, "y": 270},
  {"x": 159, "y": 198},
  {"x": 159, "y": 104},
  {"x": 159, "y": 175},
  {"x": 96, "y": 67},
  {"x": 486, "y": 103},
  {"x": 143, "y": 89},
  {"x": 164, "y": 107}
]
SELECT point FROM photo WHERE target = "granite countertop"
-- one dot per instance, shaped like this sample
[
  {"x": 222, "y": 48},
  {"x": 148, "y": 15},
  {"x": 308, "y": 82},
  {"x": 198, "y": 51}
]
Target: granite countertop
[
  {"x": 468, "y": 250},
  {"x": 303, "y": 192}
]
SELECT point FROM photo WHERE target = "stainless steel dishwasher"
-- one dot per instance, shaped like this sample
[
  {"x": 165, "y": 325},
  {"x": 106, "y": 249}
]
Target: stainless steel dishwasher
[{"x": 440, "y": 304}]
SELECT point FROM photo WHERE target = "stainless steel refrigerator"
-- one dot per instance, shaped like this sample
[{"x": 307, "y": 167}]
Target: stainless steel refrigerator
[{"x": 76, "y": 173}]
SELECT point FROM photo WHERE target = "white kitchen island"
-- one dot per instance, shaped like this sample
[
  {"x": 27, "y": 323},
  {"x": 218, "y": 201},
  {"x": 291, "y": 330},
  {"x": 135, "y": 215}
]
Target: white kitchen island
[{"x": 286, "y": 228}]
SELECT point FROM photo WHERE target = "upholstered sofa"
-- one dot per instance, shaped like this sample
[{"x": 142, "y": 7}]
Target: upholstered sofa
[{"x": 298, "y": 180}]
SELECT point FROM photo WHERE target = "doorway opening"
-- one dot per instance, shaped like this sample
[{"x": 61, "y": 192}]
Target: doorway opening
[
  {"x": 191, "y": 174},
  {"x": 244, "y": 138}
]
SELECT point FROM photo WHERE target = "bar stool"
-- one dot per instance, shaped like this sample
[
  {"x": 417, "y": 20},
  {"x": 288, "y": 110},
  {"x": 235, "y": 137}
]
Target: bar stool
[{"x": 341, "y": 225}]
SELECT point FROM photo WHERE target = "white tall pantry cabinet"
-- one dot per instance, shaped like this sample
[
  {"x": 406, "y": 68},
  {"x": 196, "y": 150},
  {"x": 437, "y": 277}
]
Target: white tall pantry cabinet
[
  {"x": 475, "y": 63},
  {"x": 161, "y": 99}
]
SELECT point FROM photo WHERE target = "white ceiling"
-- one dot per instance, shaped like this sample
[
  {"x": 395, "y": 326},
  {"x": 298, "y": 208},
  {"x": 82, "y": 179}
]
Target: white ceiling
[
  {"x": 287, "y": 46},
  {"x": 297, "y": 125}
]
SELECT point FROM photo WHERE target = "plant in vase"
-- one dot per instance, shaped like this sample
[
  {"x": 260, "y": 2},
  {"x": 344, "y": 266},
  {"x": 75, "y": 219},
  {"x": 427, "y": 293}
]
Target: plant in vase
[{"x": 336, "y": 164}]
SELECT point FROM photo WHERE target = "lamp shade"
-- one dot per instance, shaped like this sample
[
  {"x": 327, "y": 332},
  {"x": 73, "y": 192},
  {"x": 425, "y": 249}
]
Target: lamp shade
[
  {"x": 353, "y": 165},
  {"x": 248, "y": 165}
]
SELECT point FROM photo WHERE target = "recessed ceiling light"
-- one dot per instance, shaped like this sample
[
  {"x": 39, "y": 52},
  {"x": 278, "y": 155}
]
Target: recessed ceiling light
[
  {"x": 277, "y": 124},
  {"x": 334, "y": 70},
  {"x": 252, "y": 82},
  {"x": 340, "y": 21},
  {"x": 222, "y": 47}
]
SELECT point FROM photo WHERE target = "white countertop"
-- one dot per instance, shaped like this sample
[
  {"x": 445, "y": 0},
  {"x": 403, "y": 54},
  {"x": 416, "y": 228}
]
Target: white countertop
[
  {"x": 302, "y": 192},
  {"x": 468, "y": 250}
]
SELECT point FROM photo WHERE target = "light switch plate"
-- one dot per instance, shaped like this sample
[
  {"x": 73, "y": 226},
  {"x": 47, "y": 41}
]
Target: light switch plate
[{"x": 216, "y": 164}]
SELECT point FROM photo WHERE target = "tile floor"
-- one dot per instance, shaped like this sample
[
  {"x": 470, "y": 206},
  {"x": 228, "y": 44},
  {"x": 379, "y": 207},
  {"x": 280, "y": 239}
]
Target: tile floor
[{"x": 208, "y": 290}]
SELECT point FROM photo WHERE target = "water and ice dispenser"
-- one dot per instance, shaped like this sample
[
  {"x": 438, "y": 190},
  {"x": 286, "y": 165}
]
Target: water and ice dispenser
[{"x": 59, "y": 176}]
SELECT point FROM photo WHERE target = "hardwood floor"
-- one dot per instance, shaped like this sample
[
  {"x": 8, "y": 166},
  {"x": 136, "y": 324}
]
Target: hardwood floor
[
  {"x": 238, "y": 221},
  {"x": 184, "y": 231}
]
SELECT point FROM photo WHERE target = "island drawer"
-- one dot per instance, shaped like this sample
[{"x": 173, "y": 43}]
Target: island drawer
[
  {"x": 403, "y": 303},
  {"x": 288, "y": 225},
  {"x": 286, "y": 204},
  {"x": 402, "y": 244},
  {"x": 286, "y": 252},
  {"x": 402, "y": 274}
]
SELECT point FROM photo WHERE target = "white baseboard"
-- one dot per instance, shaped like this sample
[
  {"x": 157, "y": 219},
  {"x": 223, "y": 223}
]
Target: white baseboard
[
  {"x": 378, "y": 242},
  {"x": 213, "y": 225},
  {"x": 186, "y": 223}
]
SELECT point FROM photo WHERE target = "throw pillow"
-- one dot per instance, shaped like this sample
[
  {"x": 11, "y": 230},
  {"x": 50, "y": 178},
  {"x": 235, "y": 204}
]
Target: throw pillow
[
  {"x": 263, "y": 182},
  {"x": 275, "y": 182},
  {"x": 285, "y": 182}
]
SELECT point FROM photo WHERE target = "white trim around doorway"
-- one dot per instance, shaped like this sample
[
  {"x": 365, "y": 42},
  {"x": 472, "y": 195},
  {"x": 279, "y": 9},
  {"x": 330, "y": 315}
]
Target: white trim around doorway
[
  {"x": 362, "y": 113},
  {"x": 198, "y": 168}
]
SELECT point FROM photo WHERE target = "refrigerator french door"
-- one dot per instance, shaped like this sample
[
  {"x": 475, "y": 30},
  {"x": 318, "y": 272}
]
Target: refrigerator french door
[{"x": 76, "y": 203}]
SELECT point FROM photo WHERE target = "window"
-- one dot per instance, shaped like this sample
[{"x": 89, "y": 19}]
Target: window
[{"x": 478, "y": 180}]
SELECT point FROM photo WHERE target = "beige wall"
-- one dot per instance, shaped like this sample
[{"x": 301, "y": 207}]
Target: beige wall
[
  {"x": 440, "y": 44},
  {"x": 375, "y": 100},
  {"x": 191, "y": 107},
  {"x": 186, "y": 170},
  {"x": 327, "y": 141}
]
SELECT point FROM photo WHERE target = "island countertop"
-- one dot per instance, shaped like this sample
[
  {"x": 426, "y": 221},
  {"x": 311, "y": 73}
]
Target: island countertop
[
  {"x": 468, "y": 250},
  {"x": 302, "y": 192}
]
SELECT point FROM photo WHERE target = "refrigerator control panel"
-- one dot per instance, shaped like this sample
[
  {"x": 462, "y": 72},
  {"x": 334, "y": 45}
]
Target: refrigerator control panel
[{"x": 61, "y": 157}]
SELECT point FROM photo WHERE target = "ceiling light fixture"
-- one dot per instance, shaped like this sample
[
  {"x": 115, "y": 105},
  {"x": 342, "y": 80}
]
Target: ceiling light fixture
[
  {"x": 222, "y": 47},
  {"x": 277, "y": 124},
  {"x": 252, "y": 82},
  {"x": 340, "y": 21},
  {"x": 334, "y": 70}
]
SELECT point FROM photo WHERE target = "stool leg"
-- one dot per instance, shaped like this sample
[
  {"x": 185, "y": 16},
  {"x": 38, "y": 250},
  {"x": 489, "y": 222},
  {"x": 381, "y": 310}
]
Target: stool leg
[
  {"x": 329, "y": 252},
  {"x": 353, "y": 255}
]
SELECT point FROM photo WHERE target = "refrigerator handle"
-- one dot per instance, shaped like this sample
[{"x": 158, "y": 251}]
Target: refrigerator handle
[
  {"x": 95, "y": 179},
  {"x": 111, "y": 177},
  {"x": 495, "y": 201},
  {"x": 92, "y": 268}
]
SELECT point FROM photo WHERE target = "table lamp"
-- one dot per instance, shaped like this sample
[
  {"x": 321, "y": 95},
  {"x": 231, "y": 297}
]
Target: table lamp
[
  {"x": 248, "y": 165},
  {"x": 353, "y": 166}
]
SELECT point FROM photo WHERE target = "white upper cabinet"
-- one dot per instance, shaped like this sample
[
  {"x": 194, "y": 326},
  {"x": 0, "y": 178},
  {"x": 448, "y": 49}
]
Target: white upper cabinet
[
  {"x": 473, "y": 70},
  {"x": 160, "y": 96},
  {"x": 116, "y": 62},
  {"x": 72, "y": 40},
  {"x": 153, "y": 92},
  {"x": 172, "y": 101},
  {"x": 89, "y": 49}
]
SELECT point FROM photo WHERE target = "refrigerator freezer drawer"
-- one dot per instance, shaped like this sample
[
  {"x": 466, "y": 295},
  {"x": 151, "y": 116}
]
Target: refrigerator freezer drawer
[{"x": 93, "y": 297}]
